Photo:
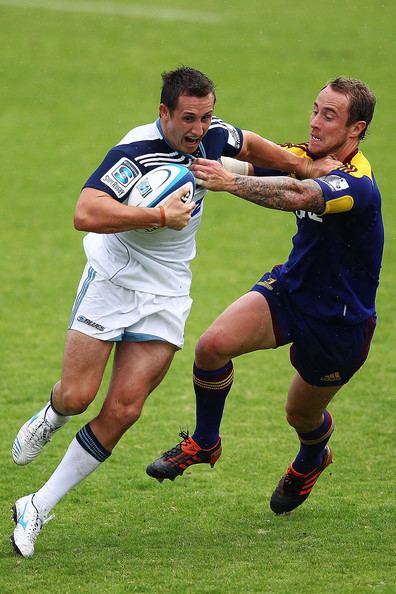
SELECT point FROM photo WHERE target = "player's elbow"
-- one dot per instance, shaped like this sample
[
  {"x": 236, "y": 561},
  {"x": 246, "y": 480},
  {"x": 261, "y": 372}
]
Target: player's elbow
[
  {"x": 78, "y": 222},
  {"x": 86, "y": 213},
  {"x": 81, "y": 220},
  {"x": 310, "y": 197}
]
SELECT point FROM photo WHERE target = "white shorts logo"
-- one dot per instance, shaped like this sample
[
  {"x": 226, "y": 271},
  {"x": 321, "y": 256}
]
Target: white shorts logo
[{"x": 121, "y": 177}]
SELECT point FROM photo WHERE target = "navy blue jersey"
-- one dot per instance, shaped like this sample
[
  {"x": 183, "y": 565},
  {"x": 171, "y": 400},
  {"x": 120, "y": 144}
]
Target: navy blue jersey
[
  {"x": 145, "y": 148},
  {"x": 333, "y": 268}
]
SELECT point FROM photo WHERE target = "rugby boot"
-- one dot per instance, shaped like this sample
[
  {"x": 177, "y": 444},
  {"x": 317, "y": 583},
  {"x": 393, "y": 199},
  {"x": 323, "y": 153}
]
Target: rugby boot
[
  {"x": 294, "y": 487},
  {"x": 28, "y": 522},
  {"x": 33, "y": 436},
  {"x": 185, "y": 454}
]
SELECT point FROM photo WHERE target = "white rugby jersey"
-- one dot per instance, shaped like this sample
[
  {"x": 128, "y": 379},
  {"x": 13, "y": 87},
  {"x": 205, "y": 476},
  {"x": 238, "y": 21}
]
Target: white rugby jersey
[{"x": 156, "y": 261}]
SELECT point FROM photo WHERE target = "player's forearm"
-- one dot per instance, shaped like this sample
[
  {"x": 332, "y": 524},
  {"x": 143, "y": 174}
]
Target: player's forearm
[
  {"x": 100, "y": 213},
  {"x": 280, "y": 193},
  {"x": 264, "y": 153}
]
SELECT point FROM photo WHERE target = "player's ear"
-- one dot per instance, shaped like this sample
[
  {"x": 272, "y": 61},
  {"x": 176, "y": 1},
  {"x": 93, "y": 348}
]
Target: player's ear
[
  {"x": 164, "y": 112},
  {"x": 358, "y": 127}
]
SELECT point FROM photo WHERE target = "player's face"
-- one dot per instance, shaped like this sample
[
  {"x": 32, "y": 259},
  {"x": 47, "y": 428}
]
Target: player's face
[
  {"x": 185, "y": 127},
  {"x": 329, "y": 133}
]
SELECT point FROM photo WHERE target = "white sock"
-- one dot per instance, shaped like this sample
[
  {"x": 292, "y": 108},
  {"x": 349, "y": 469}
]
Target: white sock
[
  {"x": 54, "y": 418},
  {"x": 76, "y": 464}
]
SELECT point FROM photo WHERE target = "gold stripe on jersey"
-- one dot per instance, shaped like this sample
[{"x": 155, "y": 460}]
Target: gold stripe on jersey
[
  {"x": 298, "y": 149},
  {"x": 358, "y": 167},
  {"x": 219, "y": 385},
  {"x": 342, "y": 204}
]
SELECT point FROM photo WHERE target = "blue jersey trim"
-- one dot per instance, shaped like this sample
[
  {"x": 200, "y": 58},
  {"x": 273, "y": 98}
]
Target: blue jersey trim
[{"x": 84, "y": 288}]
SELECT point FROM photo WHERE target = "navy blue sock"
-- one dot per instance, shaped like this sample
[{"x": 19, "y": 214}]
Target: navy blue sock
[
  {"x": 211, "y": 390},
  {"x": 87, "y": 440},
  {"x": 312, "y": 445}
]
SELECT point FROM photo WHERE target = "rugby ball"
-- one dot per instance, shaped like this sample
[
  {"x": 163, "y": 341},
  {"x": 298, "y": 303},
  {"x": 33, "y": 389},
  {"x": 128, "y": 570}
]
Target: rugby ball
[{"x": 156, "y": 186}]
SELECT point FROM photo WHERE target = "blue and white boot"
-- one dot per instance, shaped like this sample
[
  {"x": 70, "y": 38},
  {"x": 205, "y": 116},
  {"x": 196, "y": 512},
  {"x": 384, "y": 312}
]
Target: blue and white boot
[
  {"x": 32, "y": 437},
  {"x": 28, "y": 525}
]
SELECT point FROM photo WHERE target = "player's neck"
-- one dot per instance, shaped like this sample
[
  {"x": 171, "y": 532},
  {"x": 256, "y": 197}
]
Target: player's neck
[{"x": 347, "y": 151}]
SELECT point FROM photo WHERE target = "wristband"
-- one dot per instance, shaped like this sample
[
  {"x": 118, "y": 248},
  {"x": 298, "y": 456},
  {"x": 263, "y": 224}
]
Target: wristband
[
  {"x": 235, "y": 166},
  {"x": 163, "y": 216}
]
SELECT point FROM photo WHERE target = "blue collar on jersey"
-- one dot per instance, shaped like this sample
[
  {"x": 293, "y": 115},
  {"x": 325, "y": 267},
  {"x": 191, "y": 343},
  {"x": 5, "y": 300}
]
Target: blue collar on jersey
[{"x": 200, "y": 148}]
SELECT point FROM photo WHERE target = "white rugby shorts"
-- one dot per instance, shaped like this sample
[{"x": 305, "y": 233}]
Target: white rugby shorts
[{"x": 109, "y": 312}]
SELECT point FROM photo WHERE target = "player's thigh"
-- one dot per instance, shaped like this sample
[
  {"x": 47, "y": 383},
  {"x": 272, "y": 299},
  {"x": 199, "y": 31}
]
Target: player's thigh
[
  {"x": 138, "y": 368},
  {"x": 306, "y": 403},
  {"x": 84, "y": 362},
  {"x": 245, "y": 326}
]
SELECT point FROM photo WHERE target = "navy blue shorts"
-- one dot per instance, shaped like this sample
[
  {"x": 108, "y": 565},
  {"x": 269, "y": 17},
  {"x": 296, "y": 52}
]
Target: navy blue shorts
[{"x": 325, "y": 353}]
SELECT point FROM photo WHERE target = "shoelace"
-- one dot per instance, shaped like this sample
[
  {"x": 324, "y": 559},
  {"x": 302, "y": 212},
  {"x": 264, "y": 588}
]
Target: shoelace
[
  {"x": 34, "y": 530},
  {"x": 176, "y": 449},
  {"x": 42, "y": 432},
  {"x": 35, "y": 526},
  {"x": 292, "y": 481}
]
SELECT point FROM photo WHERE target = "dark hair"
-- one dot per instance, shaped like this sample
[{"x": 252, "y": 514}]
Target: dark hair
[
  {"x": 361, "y": 100},
  {"x": 184, "y": 81}
]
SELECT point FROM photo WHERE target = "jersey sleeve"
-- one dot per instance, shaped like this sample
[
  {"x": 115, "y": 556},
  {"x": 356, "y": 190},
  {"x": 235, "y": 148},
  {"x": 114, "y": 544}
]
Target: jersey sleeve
[
  {"x": 116, "y": 175},
  {"x": 266, "y": 172},
  {"x": 222, "y": 139},
  {"x": 344, "y": 192},
  {"x": 234, "y": 141}
]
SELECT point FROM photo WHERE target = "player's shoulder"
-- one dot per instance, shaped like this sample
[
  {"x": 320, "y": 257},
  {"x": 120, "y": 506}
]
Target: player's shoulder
[
  {"x": 146, "y": 132},
  {"x": 221, "y": 133},
  {"x": 221, "y": 125},
  {"x": 358, "y": 166},
  {"x": 217, "y": 122}
]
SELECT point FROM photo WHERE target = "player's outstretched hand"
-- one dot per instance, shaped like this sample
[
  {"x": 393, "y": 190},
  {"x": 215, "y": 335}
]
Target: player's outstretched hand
[
  {"x": 177, "y": 212},
  {"x": 211, "y": 175}
]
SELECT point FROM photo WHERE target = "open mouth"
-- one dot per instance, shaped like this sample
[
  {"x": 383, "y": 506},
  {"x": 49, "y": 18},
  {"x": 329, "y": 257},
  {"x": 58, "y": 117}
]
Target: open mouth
[{"x": 191, "y": 141}]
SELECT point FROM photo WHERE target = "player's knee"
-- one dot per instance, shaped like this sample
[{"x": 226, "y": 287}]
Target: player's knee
[
  {"x": 210, "y": 346},
  {"x": 73, "y": 400},
  {"x": 294, "y": 420},
  {"x": 302, "y": 421},
  {"x": 124, "y": 414}
]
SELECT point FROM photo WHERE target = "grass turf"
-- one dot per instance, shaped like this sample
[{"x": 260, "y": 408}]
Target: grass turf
[{"x": 73, "y": 83}]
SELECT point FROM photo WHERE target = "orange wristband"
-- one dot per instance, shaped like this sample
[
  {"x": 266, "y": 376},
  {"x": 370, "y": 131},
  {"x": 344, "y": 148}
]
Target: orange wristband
[{"x": 163, "y": 216}]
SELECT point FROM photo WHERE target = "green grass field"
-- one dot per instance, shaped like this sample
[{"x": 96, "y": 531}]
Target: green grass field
[{"x": 75, "y": 76}]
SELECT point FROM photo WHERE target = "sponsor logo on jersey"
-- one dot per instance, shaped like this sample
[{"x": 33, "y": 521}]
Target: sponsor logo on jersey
[
  {"x": 335, "y": 182},
  {"x": 85, "y": 320},
  {"x": 233, "y": 136},
  {"x": 121, "y": 177}
]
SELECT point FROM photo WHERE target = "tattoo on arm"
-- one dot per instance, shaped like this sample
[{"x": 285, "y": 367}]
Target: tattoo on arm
[{"x": 280, "y": 193}]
